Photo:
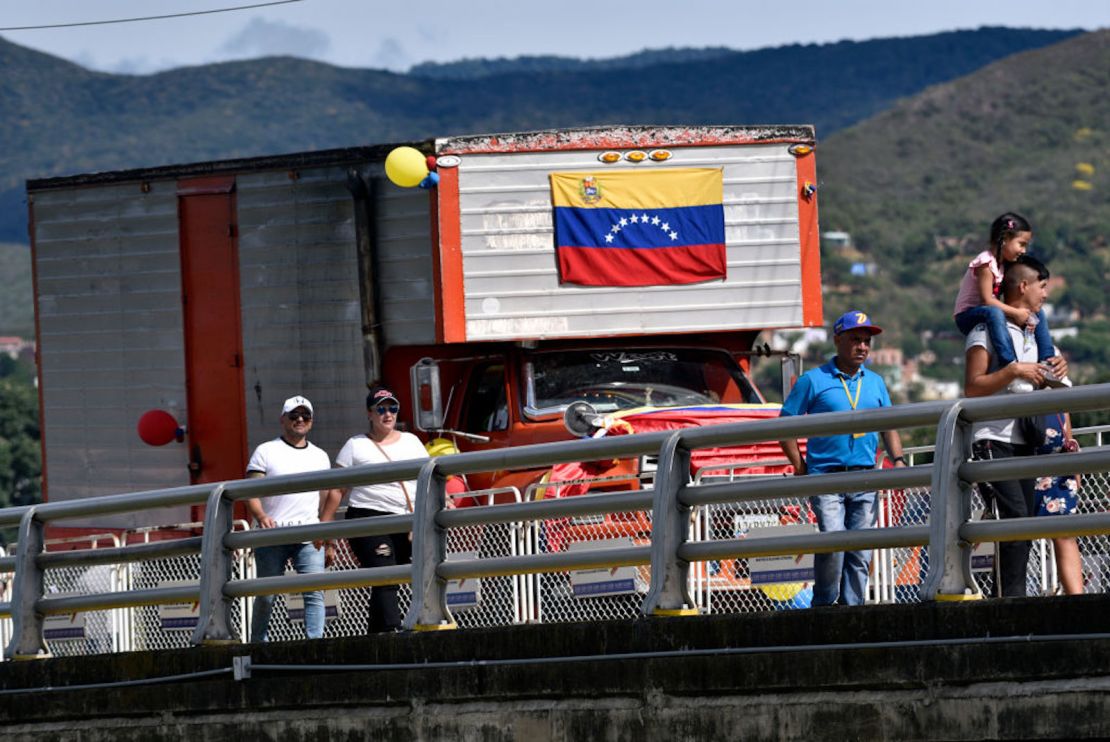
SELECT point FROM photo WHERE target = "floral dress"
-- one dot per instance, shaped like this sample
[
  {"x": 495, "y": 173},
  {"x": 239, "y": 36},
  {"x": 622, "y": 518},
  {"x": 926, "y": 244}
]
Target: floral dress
[{"x": 1056, "y": 495}]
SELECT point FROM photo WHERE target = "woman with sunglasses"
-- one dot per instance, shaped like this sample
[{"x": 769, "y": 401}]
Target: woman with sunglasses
[{"x": 382, "y": 443}]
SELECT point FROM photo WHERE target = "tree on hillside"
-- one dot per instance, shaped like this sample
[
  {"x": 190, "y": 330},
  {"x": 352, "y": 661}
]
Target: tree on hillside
[{"x": 20, "y": 455}]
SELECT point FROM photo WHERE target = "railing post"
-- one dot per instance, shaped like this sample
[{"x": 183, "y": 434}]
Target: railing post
[
  {"x": 28, "y": 642},
  {"x": 214, "y": 624},
  {"x": 428, "y": 610},
  {"x": 669, "y": 594},
  {"x": 950, "y": 575}
]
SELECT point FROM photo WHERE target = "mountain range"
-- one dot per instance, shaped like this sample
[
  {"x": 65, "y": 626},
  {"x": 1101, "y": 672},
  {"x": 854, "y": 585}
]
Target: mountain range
[
  {"x": 60, "y": 118},
  {"x": 917, "y": 186},
  {"x": 922, "y": 141}
]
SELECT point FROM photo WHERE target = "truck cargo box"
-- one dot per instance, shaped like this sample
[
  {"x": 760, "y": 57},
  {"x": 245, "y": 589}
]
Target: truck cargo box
[{"x": 215, "y": 290}]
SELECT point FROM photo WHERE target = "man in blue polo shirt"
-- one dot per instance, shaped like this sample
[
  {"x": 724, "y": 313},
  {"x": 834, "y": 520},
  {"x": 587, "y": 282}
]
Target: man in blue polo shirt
[{"x": 841, "y": 385}]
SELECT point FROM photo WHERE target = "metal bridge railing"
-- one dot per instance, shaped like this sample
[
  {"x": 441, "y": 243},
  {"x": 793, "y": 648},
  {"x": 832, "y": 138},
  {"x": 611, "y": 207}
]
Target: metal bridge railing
[{"x": 666, "y": 557}]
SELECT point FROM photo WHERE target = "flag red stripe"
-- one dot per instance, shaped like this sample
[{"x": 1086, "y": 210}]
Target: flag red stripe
[{"x": 607, "y": 266}]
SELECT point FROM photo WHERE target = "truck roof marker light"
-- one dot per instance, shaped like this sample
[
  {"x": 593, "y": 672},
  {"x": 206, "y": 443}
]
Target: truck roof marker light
[
  {"x": 448, "y": 161},
  {"x": 635, "y": 155},
  {"x": 800, "y": 150},
  {"x": 660, "y": 155},
  {"x": 609, "y": 157}
]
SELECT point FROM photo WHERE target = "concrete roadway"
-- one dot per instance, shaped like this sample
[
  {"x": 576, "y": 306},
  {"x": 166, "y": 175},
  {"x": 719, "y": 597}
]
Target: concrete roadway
[{"x": 992, "y": 669}]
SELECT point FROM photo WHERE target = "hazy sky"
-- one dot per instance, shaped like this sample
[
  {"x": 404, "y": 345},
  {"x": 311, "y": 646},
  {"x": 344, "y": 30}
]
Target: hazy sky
[{"x": 396, "y": 35}]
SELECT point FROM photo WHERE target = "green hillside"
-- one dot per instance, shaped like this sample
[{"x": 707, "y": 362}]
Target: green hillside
[
  {"x": 16, "y": 300},
  {"x": 932, "y": 170},
  {"x": 917, "y": 186},
  {"x": 61, "y": 119}
]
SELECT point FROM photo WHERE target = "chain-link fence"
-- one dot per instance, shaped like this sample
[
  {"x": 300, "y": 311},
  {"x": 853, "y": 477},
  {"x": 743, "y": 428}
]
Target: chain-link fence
[
  {"x": 898, "y": 573},
  {"x": 487, "y": 601},
  {"x": 87, "y": 632},
  {"x": 5, "y": 597},
  {"x": 171, "y": 626},
  {"x": 724, "y": 586}
]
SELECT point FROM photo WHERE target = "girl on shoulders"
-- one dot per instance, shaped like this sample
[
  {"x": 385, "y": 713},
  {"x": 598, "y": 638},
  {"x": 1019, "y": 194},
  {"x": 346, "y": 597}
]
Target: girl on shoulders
[{"x": 978, "y": 303}]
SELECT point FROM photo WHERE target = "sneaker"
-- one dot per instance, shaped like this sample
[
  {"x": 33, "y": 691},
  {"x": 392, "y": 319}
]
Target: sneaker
[
  {"x": 1020, "y": 386},
  {"x": 1051, "y": 380}
]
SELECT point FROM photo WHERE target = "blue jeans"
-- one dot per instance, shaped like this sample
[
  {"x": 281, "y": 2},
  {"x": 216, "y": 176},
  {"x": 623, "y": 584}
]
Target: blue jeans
[
  {"x": 841, "y": 577},
  {"x": 269, "y": 561},
  {"x": 995, "y": 320}
]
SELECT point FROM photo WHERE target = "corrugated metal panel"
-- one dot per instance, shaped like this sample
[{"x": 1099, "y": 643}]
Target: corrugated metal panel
[
  {"x": 110, "y": 340},
  {"x": 403, "y": 258},
  {"x": 301, "y": 317},
  {"x": 511, "y": 280}
]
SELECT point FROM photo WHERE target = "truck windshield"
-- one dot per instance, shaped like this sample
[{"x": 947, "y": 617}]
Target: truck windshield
[{"x": 612, "y": 380}]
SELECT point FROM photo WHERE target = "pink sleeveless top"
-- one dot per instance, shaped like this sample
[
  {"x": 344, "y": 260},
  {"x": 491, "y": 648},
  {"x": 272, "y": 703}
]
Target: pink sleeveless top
[{"x": 968, "y": 297}]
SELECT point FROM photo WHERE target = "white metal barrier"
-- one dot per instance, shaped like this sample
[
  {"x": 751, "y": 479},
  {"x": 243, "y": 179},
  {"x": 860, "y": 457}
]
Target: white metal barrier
[
  {"x": 5, "y": 597},
  {"x": 526, "y": 544}
]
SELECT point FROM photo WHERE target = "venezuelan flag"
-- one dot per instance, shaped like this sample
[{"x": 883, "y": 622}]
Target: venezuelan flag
[{"x": 639, "y": 228}]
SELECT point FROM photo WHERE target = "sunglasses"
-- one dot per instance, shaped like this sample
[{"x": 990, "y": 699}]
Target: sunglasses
[
  {"x": 294, "y": 416},
  {"x": 392, "y": 409}
]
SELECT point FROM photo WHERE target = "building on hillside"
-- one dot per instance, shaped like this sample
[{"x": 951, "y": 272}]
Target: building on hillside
[
  {"x": 953, "y": 245},
  {"x": 932, "y": 389},
  {"x": 886, "y": 356},
  {"x": 799, "y": 341},
  {"x": 893, "y": 371},
  {"x": 1056, "y": 286},
  {"x": 1058, "y": 333},
  {"x": 14, "y": 346},
  {"x": 837, "y": 240}
]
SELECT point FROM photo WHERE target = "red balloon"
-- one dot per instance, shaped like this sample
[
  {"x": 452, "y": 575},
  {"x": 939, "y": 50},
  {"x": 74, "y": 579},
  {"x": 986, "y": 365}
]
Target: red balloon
[
  {"x": 430, "y": 161},
  {"x": 157, "y": 427},
  {"x": 456, "y": 486}
]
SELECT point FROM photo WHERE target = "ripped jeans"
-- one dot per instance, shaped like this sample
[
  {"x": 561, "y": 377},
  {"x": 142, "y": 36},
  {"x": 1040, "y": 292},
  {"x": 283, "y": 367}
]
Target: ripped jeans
[{"x": 381, "y": 551}]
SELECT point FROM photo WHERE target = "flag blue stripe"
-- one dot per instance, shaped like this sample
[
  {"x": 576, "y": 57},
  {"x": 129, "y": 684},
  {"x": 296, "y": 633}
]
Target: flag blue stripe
[{"x": 687, "y": 225}]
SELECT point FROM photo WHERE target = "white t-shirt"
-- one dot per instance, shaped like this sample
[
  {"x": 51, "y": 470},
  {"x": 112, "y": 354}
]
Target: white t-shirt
[
  {"x": 1025, "y": 346},
  {"x": 388, "y": 497},
  {"x": 275, "y": 458}
]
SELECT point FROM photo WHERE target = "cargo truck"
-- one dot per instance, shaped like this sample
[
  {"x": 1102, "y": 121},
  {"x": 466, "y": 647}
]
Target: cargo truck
[{"x": 629, "y": 267}]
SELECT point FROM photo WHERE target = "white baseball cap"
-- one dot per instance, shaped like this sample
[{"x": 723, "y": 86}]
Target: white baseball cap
[{"x": 293, "y": 403}]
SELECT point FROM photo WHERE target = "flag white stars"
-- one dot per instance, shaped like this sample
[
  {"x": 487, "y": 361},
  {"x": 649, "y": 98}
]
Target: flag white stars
[{"x": 642, "y": 218}]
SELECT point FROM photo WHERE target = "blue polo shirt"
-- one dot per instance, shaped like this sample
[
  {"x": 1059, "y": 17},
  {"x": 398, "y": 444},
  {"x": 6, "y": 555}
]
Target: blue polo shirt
[{"x": 823, "y": 390}]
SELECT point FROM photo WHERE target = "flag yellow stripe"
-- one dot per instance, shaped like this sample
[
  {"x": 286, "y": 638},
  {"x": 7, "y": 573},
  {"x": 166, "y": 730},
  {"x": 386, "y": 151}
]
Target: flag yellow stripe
[{"x": 640, "y": 189}]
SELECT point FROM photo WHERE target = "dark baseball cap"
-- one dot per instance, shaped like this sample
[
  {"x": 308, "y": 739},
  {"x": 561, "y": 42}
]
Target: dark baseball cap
[{"x": 380, "y": 393}]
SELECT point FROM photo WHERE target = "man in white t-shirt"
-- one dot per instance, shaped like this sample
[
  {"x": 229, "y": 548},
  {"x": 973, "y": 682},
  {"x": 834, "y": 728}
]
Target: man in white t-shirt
[
  {"x": 1025, "y": 285},
  {"x": 291, "y": 453}
]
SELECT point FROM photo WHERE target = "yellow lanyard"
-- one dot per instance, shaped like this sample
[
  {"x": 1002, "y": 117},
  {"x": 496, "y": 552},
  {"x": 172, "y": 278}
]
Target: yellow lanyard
[{"x": 853, "y": 402}]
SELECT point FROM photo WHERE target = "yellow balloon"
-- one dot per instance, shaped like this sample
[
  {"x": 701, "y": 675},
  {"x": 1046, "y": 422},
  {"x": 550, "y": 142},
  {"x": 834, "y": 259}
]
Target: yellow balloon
[
  {"x": 440, "y": 447},
  {"x": 782, "y": 591},
  {"x": 406, "y": 167}
]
